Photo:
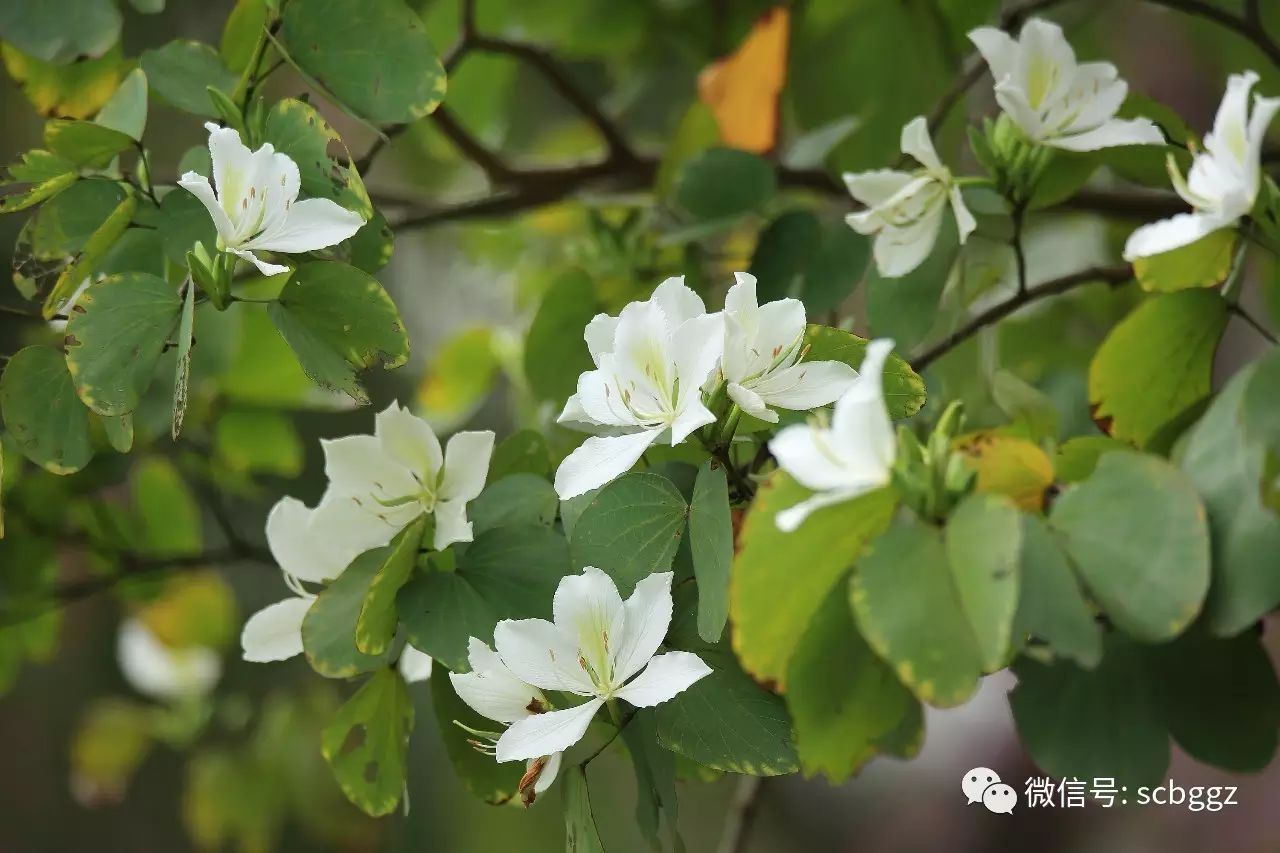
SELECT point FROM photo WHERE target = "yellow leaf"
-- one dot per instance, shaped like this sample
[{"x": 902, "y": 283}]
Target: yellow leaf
[
  {"x": 742, "y": 89},
  {"x": 1008, "y": 465},
  {"x": 195, "y": 609},
  {"x": 77, "y": 90}
]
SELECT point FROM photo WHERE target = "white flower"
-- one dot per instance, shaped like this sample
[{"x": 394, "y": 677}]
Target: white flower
[
  {"x": 595, "y": 646},
  {"x": 1224, "y": 179},
  {"x": 256, "y": 207},
  {"x": 493, "y": 691},
  {"x": 1054, "y": 100},
  {"x": 162, "y": 672},
  {"x": 762, "y": 349},
  {"x": 904, "y": 209},
  {"x": 852, "y": 456},
  {"x": 414, "y": 665},
  {"x": 651, "y": 362}
]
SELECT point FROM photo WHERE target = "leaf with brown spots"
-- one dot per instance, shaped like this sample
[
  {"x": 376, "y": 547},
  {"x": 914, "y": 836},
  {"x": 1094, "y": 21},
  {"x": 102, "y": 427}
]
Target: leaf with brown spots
[{"x": 367, "y": 740}]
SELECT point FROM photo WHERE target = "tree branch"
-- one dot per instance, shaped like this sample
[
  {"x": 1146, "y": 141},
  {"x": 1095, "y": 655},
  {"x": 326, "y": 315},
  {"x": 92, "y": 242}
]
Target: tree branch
[
  {"x": 1235, "y": 308},
  {"x": 740, "y": 816},
  {"x": 1108, "y": 275}
]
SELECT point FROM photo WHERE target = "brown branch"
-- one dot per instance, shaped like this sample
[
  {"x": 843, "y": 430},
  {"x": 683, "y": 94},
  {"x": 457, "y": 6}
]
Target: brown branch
[
  {"x": 740, "y": 816},
  {"x": 497, "y": 171},
  {"x": 1249, "y": 26},
  {"x": 1108, "y": 275},
  {"x": 1234, "y": 308}
]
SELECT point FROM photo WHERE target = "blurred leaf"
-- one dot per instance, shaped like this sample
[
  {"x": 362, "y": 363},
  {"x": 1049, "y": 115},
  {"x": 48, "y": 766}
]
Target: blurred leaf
[
  {"x": 229, "y": 799},
  {"x": 696, "y": 132},
  {"x": 126, "y": 111},
  {"x": 1077, "y": 457},
  {"x": 42, "y": 412},
  {"x": 258, "y": 442},
  {"x": 168, "y": 517},
  {"x": 724, "y": 183},
  {"x": 555, "y": 351},
  {"x": 983, "y": 539},
  {"x": 522, "y": 452},
  {"x": 112, "y": 738},
  {"x": 484, "y": 777},
  {"x": 1137, "y": 534},
  {"x": 1051, "y": 605},
  {"x": 60, "y": 31},
  {"x": 83, "y": 265},
  {"x": 1065, "y": 174},
  {"x": 811, "y": 149},
  {"x": 114, "y": 342},
  {"x": 1226, "y": 465},
  {"x": 516, "y": 499},
  {"x": 797, "y": 256},
  {"x": 906, "y": 308},
  {"x": 744, "y": 88},
  {"x": 1204, "y": 263},
  {"x": 184, "y": 221},
  {"x": 767, "y": 626},
  {"x": 655, "y": 768},
  {"x": 580, "y": 833},
  {"x": 83, "y": 142},
  {"x": 194, "y": 609},
  {"x": 240, "y": 33},
  {"x": 379, "y": 63},
  {"x": 338, "y": 319},
  {"x": 367, "y": 742},
  {"x": 506, "y": 573},
  {"x": 843, "y": 698},
  {"x": 711, "y": 544},
  {"x": 1008, "y": 465},
  {"x": 263, "y": 371},
  {"x": 630, "y": 529},
  {"x": 182, "y": 71},
  {"x": 329, "y": 628},
  {"x": 459, "y": 377},
  {"x": 77, "y": 90},
  {"x": 1260, "y": 407},
  {"x": 904, "y": 391},
  {"x": 47, "y": 173},
  {"x": 909, "y": 610},
  {"x": 1156, "y": 364},
  {"x": 1031, "y": 409}
]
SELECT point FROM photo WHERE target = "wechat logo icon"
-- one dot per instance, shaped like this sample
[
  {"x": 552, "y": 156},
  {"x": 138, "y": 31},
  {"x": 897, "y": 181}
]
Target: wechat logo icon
[{"x": 983, "y": 785}]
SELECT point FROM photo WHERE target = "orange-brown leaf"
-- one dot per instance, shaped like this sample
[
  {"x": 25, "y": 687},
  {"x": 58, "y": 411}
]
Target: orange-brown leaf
[{"x": 742, "y": 89}]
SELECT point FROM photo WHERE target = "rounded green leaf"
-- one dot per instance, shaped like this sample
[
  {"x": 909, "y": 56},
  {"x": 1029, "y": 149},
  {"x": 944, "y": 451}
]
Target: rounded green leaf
[
  {"x": 126, "y": 111},
  {"x": 329, "y": 628},
  {"x": 84, "y": 143},
  {"x": 904, "y": 392},
  {"x": 724, "y": 183},
  {"x": 372, "y": 55},
  {"x": 1051, "y": 606},
  {"x": 42, "y": 412},
  {"x": 368, "y": 740},
  {"x": 798, "y": 256},
  {"x": 515, "y": 500},
  {"x": 60, "y": 31},
  {"x": 983, "y": 538},
  {"x": 115, "y": 336},
  {"x": 181, "y": 73},
  {"x": 711, "y": 548},
  {"x": 1204, "y": 263},
  {"x": 1137, "y": 534},
  {"x": 555, "y": 351},
  {"x": 630, "y": 529}
]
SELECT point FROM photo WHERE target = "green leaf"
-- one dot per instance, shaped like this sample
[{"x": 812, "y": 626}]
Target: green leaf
[
  {"x": 906, "y": 308},
  {"x": 460, "y": 376},
  {"x": 797, "y": 256},
  {"x": 295, "y": 128},
  {"x": 182, "y": 372},
  {"x": 126, "y": 111},
  {"x": 487, "y": 779},
  {"x": 909, "y": 610},
  {"x": 1156, "y": 364},
  {"x": 115, "y": 336},
  {"x": 516, "y": 500},
  {"x": 168, "y": 517},
  {"x": 1033, "y": 412},
  {"x": 983, "y": 540},
  {"x": 843, "y": 698},
  {"x": 240, "y": 34},
  {"x": 522, "y": 452},
  {"x": 1204, "y": 263},
  {"x": 329, "y": 628},
  {"x": 48, "y": 174},
  {"x": 724, "y": 183},
  {"x": 655, "y": 770},
  {"x": 771, "y": 602},
  {"x": 77, "y": 90},
  {"x": 376, "y": 624},
  {"x": 65, "y": 224},
  {"x": 727, "y": 722},
  {"x": 506, "y": 573},
  {"x": 1051, "y": 606},
  {"x": 60, "y": 31},
  {"x": 338, "y": 319},
  {"x": 1226, "y": 464},
  {"x": 83, "y": 264},
  {"x": 253, "y": 442},
  {"x": 1089, "y": 724},
  {"x": 555, "y": 351},
  {"x": 379, "y": 63},
  {"x": 184, "y": 221},
  {"x": 182, "y": 71},
  {"x": 1064, "y": 174},
  {"x": 904, "y": 392},
  {"x": 42, "y": 413},
  {"x": 1077, "y": 457},
  {"x": 630, "y": 529},
  {"x": 1260, "y": 407},
  {"x": 1136, "y": 532},
  {"x": 711, "y": 545},
  {"x": 1220, "y": 699},
  {"x": 368, "y": 740},
  {"x": 84, "y": 143},
  {"x": 696, "y": 132},
  {"x": 580, "y": 833},
  {"x": 119, "y": 430}
]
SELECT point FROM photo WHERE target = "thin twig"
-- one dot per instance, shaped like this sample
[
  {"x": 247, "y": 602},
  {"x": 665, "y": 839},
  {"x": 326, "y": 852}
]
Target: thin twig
[
  {"x": 741, "y": 815},
  {"x": 1262, "y": 330},
  {"x": 471, "y": 148},
  {"x": 1108, "y": 275}
]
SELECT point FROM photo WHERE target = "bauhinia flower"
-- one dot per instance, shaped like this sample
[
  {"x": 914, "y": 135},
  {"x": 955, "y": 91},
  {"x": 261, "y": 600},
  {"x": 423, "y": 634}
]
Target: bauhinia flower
[
  {"x": 256, "y": 207},
  {"x": 651, "y": 362},
  {"x": 1224, "y": 179},
  {"x": 495, "y": 693},
  {"x": 163, "y": 672},
  {"x": 905, "y": 209},
  {"x": 1053, "y": 99},
  {"x": 849, "y": 457},
  {"x": 763, "y": 345},
  {"x": 598, "y": 647}
]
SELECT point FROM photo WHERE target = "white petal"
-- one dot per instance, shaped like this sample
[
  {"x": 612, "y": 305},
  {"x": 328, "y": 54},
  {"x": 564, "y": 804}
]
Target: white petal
[
  {"x": 696, "y": 347},
  {"x": 693, "y": 416},
  {"x": 275, "y": 632},
  {"x": 915, "y": 142},
  {"x": 267, "y": 269},
  {"x": 1169, "y": 234},
  {"x": 898, "y": 251},
  {"x": 541, "y": 654},
  {"x": 588, "y": 607},
  {"x": 806, "y": 385},
  {"x": 1230, "y": 125},
  {"x": 546, "y": 734},
  {"x": 789, "y": 519},
  {"x": 230, "y": 159},
  {"x": 414, "y": 665},
  {"x": 162, "y": 672},
  {"x": 750, "y": 402},
  {"x": 409, "y": 440},
  {"x": 310, "y": 225},
  {"x": 295, "y": 547},
  {"x": 860, "y": 423},
  {"x": 876, "y": 187},
  {"x": 466, "y": 465},
  {"x": 998, "y": 49},
  {"x": 198, "y": 186},
  {"x": 804, "y": 452},
  {"x": 490, "y": 688},
  {"x": 451, "y": 524},
  {"x": 600, "y": 459},
  {"x": 965, "y": 223},
  {"x": 665, "y": 677},
  {"x": 1117, "y": 131},
  {"x": 599, "y": 335},
  {"x": 549, "y": 772},
  {"x": 648, "y": 615},
  {"x": 677, "y": 300},
  {"x": 1013, "y": 100},
  {"x": 1046, "y": 64},
  {"x": 358, "y": 465}
]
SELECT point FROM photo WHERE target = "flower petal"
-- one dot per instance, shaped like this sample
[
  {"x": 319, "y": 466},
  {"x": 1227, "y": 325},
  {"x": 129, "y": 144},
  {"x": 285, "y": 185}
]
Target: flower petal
[
  {"x": 789, "y": 519},
  {"x": 898, "y": 251},
  {"x": 231, "y": 160},
  {"x": 647, "y": 617},
  {"x": 750, "y": 402},
  {"x": 495, "y": 696},
  {"x": 198, "y": 186},
  {"x": 806, "y": 385},
  {"x": 466, "y": 465},
  {"x": 965, "y": 223},
  {"x": 414, "y": 665},
  {"x": 546, "y": 734},
  {"x": 677, "y": 300},
  {"x": 915, "y": 142},
  {"x": 1169, "y": 234},
  {"x": 600, "y": 459},
  {"x": 451, "y": 524},
  {"x": 1117, "y": 131},
  {"x": 599, "y": 335},
  {"x": 290, "y": 536},
  {"x": 539, "y": 653},
  {"x": 265, "y": 268},
  {"x": 665, "y": 677},
  {"x": 359, "y": 466},
  {"x": 549, "y": 772},
  {"x": 275, "y": 632},
  {"x": 161, "y": 672},
  {"x": 311, "y": 224},
  {"x": 877, "y": 186},
  {"x": 803, "y": 451},
  {"x": 998, "y": 49},
  {"x": 409, "y": 440}
]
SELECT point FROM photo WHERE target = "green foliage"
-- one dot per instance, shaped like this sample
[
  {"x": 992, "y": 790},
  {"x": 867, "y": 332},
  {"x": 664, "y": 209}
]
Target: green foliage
[
  {"x": 1051, "y": 606},
  {"x": 126, "y": 111},
  {"x": 905, "y": 308},
  {"x": 723, "y": 184},
  {"x": 61, "y": 31},
  {"x": 484, "y": 777},
  {"x": 554, "y": 350},
  {"x": 42, "y": 413},
  {"x": 329, "y": 629},
  {"x": 1204, "y": 263},
  {"x": 798, "y": 256},
  {"x": 983, "y": 539},
  {"x": 367, "y": 741},
  {"x": 904, "y": 392},
  {"x": 630, "y": 529},
  {"x": 711, "y": 545},
  {"x": 181, "y": 73},
  {"x": 580, "y": 833},
  {"x": 376, "y": 624}
]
